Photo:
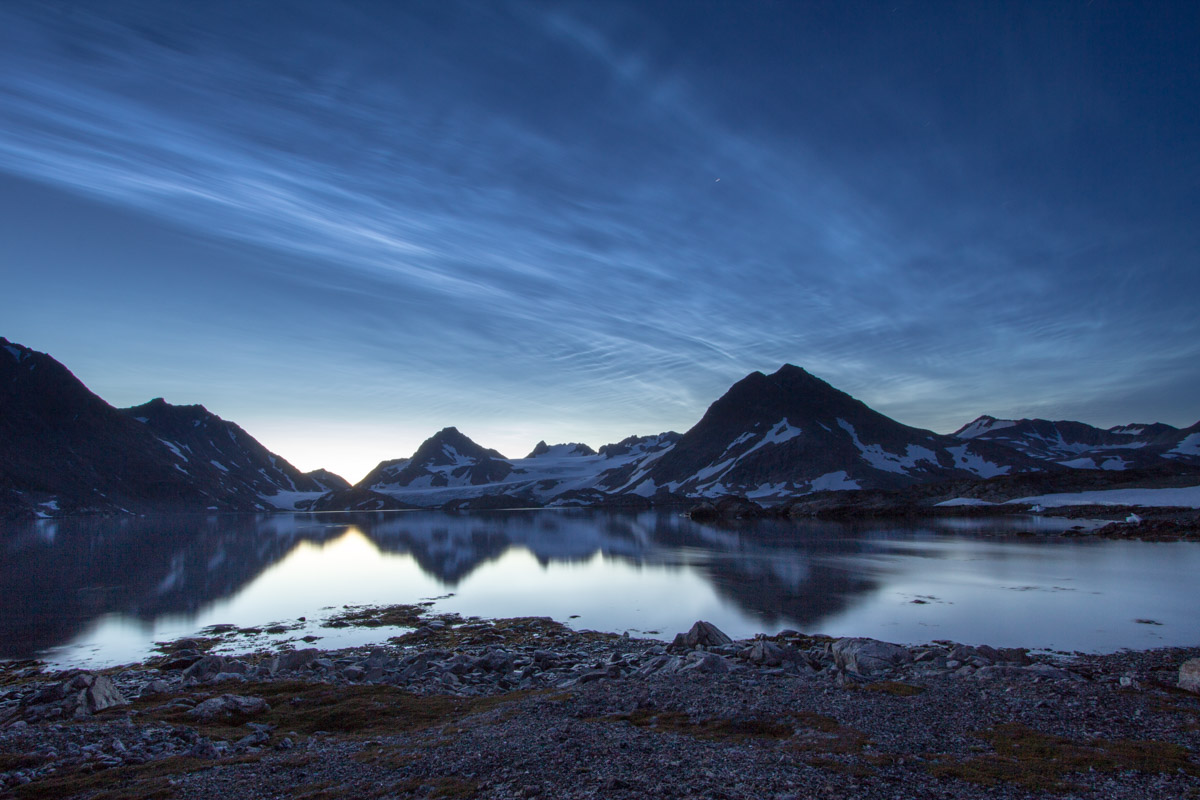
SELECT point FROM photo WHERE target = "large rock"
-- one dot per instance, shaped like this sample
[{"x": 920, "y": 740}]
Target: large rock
[
  {"x": 87, "y": 693},
  {"x": 293, "y": 659},
  {"x": 204, "y": 668},
  {"x": 1189, "y": 675},
  {"x": 229, "y": 705},
  {"x": 707, "y": 662},
  {"x": 702, "y": 634},
  {"x": 867, "y": 656}
]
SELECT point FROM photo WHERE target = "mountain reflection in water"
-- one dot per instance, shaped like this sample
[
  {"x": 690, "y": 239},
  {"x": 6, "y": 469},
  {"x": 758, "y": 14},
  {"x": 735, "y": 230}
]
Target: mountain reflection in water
[{"x": 89, "y": 582}]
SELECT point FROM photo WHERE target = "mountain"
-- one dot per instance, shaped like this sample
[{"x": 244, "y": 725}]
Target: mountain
[
  {"x": 789, "y": 433},
  {"x": 446, "y": 459},
  {"x": 230, "y": 458},
  {"x": 63, "y": 450},
  {"x": 1082, "y": 446},
  {"x": 560, "y": 450},
  {"x": 451, "y": 470}
]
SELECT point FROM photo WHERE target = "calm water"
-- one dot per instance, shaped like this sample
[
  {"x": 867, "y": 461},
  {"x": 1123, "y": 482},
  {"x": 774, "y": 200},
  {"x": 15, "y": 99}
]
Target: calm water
[{"x": 95, "y": 592}]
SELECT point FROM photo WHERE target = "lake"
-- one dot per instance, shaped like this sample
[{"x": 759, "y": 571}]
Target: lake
[{"x": 94, "y": 592}]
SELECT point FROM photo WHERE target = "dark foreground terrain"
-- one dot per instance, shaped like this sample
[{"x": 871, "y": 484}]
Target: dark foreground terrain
[{"x": 528, "y": 708}]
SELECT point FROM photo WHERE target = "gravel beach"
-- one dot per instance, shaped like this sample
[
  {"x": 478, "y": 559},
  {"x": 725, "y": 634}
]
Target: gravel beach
[{"x": 529, "y": 708}]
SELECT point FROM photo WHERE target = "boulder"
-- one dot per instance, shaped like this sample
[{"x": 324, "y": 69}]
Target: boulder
[
  {"x": 293, "y": 659},
  {"x": 768, "y": 654},
  {"x": 1048, "y": 671},
  {"x": 707, "y": 662},
  {"x": 87, "y": 693},
  {"x": 1189, "y": 675},
  {"x": 868, "y": 656},
  {"x": 204, "y": 668},
  {"x": 229, "y": 705},
  {"x": 701, "y": 634}
]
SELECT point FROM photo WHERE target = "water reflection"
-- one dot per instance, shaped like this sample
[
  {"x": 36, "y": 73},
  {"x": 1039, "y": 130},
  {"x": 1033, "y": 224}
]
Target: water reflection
[{"x": 95, "y": 582}]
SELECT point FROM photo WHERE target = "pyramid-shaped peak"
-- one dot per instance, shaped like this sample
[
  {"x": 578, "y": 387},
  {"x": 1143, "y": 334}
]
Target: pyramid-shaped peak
[
  {"x": 790, "y": 371},
  {"x": 436, "y": 448}
]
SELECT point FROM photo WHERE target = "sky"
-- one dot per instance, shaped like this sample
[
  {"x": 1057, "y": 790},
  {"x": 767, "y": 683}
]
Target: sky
[{"x": 345, "y": 226}]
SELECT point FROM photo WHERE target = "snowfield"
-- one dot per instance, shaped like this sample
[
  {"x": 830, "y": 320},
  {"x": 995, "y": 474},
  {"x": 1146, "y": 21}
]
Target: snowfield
[{"x": 1186, "y": 497}]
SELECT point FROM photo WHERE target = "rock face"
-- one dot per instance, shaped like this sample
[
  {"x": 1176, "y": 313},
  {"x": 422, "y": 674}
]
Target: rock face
[
  {"x": 868, "y": 656},
  {"x": 1189, "y": 675}
]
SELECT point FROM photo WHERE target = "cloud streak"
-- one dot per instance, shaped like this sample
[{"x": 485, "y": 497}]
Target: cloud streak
[{"x": 530, "y": 192}]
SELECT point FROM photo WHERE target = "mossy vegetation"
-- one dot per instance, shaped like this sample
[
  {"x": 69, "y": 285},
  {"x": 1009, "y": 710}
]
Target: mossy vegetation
[
  {"x": 895, "y": 688},
  {"x": 139, "y": 782},
  {"x": 1044, "y": 762},
  {"x": 354, "y": 711},
  {"x": 717, "y": 729}
]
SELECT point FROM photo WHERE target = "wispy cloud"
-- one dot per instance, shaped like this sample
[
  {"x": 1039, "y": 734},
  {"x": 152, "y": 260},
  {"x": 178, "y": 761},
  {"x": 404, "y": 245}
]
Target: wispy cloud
[{"x": 543, "y": 197}]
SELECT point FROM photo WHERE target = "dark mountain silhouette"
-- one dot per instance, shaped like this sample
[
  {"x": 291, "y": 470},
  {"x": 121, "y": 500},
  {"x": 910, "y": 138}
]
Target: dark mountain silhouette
[{"x": 63, "y": 450}]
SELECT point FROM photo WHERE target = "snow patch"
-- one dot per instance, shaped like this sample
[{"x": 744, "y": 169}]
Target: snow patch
[
  {"x": 645, "y": 489},
  {"x": 770, "y": 490},
  {"x": 1187, "y": 497},
  {"x": 963, "y": 501},
  {"x": 1079, "y": 463},
  {"x": 219, "y": 465},
  {"x": 1190, "y": 446},
  {"x": 833, "y": 482},
  {"x": 174, "y": 448},
  {"x": 983, "y": 425},
  {"x": 288, "y": 501},
  {"x": 973, "y": 462},
  {"x": 881, "y": 459}
]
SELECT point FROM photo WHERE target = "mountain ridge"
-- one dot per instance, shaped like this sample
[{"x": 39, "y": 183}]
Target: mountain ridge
[{"x": 770, "y": 437}]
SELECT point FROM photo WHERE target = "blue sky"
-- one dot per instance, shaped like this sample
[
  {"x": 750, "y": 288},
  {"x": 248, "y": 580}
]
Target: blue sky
[{"x": 345, "y": 226}]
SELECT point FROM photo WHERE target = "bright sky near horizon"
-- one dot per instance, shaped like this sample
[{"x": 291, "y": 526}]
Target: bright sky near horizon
[{"x": 345, "y": 226}]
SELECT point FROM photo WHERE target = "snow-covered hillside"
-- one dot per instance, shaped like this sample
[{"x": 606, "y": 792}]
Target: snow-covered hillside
[{"x": 1078, "y": 445}]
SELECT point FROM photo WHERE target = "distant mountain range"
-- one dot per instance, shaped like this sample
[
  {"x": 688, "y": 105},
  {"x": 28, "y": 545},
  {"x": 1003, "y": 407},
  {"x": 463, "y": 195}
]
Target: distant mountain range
[{"x": 63, "y": 450}]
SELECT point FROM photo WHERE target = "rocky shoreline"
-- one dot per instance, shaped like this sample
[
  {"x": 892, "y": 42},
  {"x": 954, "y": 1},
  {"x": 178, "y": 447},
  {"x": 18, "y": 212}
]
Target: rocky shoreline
[{"x": 526, "y": 708}]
